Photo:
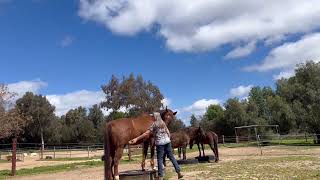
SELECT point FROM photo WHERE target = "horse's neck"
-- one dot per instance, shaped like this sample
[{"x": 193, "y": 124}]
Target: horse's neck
[{"x": 140, "y": 122}]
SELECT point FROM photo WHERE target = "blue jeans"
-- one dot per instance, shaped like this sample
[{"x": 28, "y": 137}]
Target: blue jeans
[{"x": 166, "y": 149}]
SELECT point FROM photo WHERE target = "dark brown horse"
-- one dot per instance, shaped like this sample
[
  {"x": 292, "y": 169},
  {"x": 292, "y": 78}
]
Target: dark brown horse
[
  {"x": 180, "y": 140},
  {"x": 119, "y": 132},
  {"x": 209, "y": 138}
]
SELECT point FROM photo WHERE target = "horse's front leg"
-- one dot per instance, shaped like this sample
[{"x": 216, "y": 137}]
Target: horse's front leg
[{"x": 144, "y": 154}]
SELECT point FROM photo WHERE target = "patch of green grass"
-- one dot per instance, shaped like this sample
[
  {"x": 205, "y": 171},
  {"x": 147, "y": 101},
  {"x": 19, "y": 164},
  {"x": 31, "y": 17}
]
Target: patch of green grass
[
  {"x": 3, "y": 161},
  {"x": 291, "y": 167},
  {"x": 50, "y": 169},
  {"x": 58, "y": 168}
]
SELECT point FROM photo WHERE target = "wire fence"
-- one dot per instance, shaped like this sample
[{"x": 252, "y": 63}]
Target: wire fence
[
  {"x": 264, "y": 143},
  {"x": 60, "y": 151}
]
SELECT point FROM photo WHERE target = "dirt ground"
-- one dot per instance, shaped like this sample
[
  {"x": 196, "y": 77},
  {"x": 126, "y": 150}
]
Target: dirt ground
[
  {"x": 226, "y": 155},
  {"x": 30, "y": 162}
]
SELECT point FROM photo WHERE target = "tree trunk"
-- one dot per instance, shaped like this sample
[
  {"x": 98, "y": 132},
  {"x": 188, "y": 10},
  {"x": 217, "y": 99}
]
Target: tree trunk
[
  {"x": 42, "y": 143},
  {"x": 14, "y": 156}
]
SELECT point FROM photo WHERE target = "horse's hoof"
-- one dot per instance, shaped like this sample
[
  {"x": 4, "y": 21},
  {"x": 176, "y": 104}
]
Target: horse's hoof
[{"x": 116, "y": 178}]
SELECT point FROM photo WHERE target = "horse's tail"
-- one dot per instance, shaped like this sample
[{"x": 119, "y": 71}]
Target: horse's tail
[
  {"x": 107, "y": 149},
  {"x": 215, "y": 144}
]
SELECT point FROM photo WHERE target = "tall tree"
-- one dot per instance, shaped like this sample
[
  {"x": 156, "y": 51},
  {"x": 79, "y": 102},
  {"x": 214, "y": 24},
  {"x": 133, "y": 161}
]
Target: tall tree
[
  {"x": 235, "y": 115},
  {"x": 302, "y": 91},
  {"x": 194, "y": 121},
  {"x": 95, "y": 115},
  {"x": 12, "y": 120},
  {"x": 213, "y": 118},
  {"x": 42, "y": 113},
  {"x": 176, "y": 125},
  {"x": 132, "y": 93},
  {"x": 281, "y": 114},
  {"x": 77, "y": 127}
]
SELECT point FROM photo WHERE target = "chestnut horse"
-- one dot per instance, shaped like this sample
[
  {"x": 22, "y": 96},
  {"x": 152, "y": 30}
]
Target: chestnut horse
[
  {"x": 207, "y": 137},
  {"x": 180, "y": 140},
  {"x": 119, "y": 132}
]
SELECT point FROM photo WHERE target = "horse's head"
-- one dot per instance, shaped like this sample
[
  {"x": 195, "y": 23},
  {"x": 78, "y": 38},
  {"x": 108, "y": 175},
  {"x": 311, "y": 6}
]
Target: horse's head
[
  {"x": 167, "y": 115},
  {"x": 200, "y": 133}
]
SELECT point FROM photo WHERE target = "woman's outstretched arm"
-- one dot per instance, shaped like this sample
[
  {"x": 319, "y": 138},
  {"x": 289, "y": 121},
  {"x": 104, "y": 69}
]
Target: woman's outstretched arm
[{"x": 142, "y": 136}]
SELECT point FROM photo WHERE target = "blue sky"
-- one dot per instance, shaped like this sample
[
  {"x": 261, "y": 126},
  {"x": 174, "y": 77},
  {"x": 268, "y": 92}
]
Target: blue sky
[{"x": 197, "y": 56}]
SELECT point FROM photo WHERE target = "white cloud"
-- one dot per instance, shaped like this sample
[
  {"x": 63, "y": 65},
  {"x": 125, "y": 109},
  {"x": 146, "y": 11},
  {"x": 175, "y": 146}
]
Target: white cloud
[
  {"x": 22, "y": 87},
  {"x": 166, "y": 102},
  {"x": 72, "y": 100},
  {"x": 202, "y": 25},
  {"x": 289, "y": 54},
  {"x": 284, "y": 74},
  {"x": 241, "y": 51},
  {"x": 66, "y": 41},
  {"x": 240, "y": 91},
  {"x": 199, "y": 107}
]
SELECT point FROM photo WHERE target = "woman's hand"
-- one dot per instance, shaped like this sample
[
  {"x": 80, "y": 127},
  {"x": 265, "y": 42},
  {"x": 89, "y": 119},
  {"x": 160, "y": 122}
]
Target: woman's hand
[{"x": 133, "y": 141}]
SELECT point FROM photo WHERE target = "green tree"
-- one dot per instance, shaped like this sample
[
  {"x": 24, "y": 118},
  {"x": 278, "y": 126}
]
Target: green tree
[
  {"x": 213, "y": 118},
  {"x": 302, "y": 91},
  {"x": 116, "y": 115},
  {"x": 95, "y": 116},
  {"x": 194, "y": 121},
  {"x": 281, "y": 114},
  {"x": 41, "y": 112},
  {"x": 258, "y": 97},
  {"x": 132, "y": 93},
  {"x": 77, "y": 127},
  {"x": 12, "y": 120},
  {"x": 176, "y": 125},
  {"x": 235, "y": 115}
]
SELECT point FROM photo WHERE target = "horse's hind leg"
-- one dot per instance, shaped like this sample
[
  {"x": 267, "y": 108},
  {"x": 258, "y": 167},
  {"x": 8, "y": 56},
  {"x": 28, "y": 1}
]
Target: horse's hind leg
[
  {"x": 184, "y": 152},
  {"x": 152, "y": 149},
  {"x": 199, "y": 149},
  {"x": 179, "y": 152},
  {"x": 117, "y": 159},
  {"x": 202, "y": 146},
  {"x": 144, "y": 155},
  {"x": 216, "y": 156}
]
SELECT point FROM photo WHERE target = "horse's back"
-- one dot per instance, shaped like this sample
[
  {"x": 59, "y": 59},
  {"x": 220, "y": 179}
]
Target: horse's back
[
  {"x": 179, "y": 139},
  {"x": 124, "y": 129}
]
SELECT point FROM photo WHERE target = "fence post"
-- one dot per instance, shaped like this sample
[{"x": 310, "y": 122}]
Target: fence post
[
  {"x": 41, "y": 152},
  {"x": 70, "y": 153},
  {"x": 305, "y": 134},
  {"x": 223, "y": 139},
  {"x": 54, "y": 152},
  {"x": 14, "y": 156},
  {"x": 88, "y": 152},
  {"x": 258, "y": 141}
]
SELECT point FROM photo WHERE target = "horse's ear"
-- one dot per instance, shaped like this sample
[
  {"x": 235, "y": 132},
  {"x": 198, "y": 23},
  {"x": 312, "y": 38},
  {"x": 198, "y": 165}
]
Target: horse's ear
[
  {"x": 175, "y": 113},
  {"x": 167, "y": 108}
]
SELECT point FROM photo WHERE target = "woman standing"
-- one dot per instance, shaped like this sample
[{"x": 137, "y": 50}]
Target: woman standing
[{"x": 163, "y": 144}]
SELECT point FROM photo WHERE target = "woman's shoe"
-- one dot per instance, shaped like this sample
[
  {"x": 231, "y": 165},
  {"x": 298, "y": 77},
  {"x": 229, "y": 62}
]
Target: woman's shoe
[{"x": 180, "y": 175}]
